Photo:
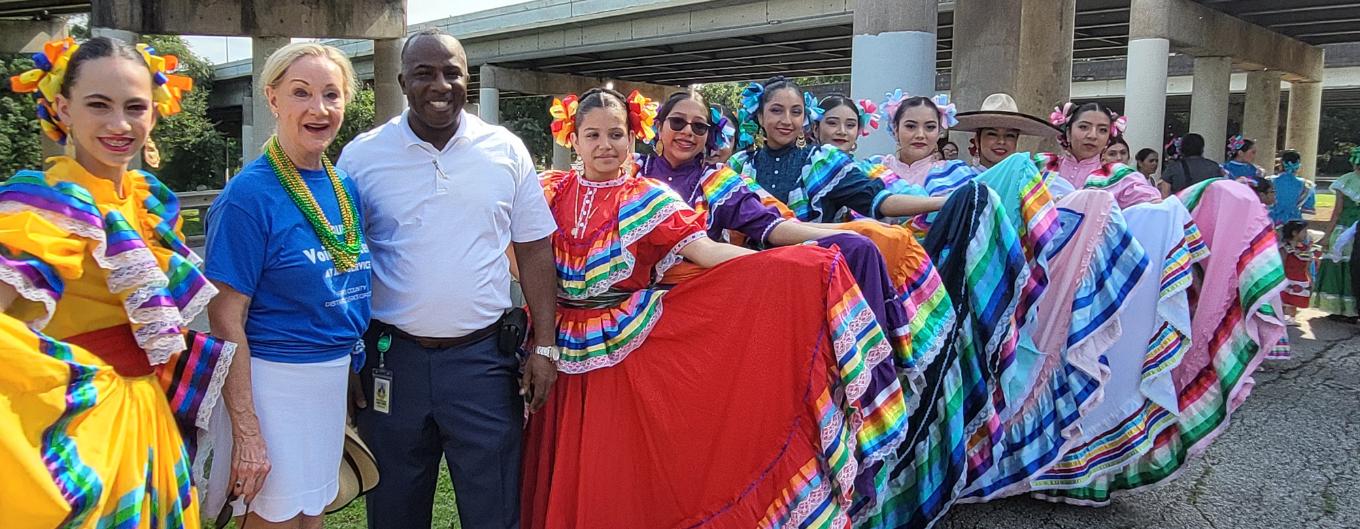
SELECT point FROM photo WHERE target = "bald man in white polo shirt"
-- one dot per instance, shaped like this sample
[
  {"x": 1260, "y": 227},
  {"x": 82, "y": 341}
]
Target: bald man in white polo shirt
[{"x": 445, "y": 195}]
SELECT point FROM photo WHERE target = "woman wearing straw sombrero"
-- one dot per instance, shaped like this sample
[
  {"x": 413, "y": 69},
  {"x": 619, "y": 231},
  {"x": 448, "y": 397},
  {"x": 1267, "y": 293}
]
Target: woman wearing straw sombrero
[{"x": 997, "y": 128}]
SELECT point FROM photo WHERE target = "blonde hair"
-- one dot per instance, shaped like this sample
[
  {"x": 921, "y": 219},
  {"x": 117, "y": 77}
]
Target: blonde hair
[{"x": 279, "y": 62}]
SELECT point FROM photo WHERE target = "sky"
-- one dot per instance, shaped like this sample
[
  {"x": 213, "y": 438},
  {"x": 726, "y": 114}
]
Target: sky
[{"x": 225, "y": 49}]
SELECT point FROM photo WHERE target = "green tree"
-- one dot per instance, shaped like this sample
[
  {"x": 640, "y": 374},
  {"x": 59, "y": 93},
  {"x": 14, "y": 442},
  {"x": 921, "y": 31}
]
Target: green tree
[
  {"x": 726, "y": 94},
  {"x": 194, "y": 154},
  {"x": 528, "y": 118},
  {"x": 20, "y": 135},
  {"x": 358, "y": 119}
]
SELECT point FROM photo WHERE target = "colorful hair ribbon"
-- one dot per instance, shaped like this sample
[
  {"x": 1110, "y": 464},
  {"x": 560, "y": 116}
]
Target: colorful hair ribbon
[{"x": 563, "y": 112}]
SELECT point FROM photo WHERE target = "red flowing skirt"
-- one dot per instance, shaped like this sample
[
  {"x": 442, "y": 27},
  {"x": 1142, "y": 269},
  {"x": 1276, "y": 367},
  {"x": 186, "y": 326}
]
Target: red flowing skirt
[{"x": 716, "y": 420}]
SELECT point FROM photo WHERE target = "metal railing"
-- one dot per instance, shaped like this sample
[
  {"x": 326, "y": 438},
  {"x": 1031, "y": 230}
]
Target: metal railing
[{"x": 193, "y": 206}]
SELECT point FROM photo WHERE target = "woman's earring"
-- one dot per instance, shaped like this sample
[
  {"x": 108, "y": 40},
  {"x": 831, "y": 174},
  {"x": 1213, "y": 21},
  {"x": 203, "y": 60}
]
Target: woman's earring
[
  {"x": 802, "y": 141},
  {"x": 658, "y": 148}
]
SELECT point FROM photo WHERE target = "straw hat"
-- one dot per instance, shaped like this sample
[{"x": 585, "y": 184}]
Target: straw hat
[
  {"x": 999, "y": 111},
  {"x": 358, "y": 471}
]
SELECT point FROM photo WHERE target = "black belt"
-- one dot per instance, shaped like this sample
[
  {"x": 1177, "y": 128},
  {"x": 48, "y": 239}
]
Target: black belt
[{"x": 438, "y": 343}]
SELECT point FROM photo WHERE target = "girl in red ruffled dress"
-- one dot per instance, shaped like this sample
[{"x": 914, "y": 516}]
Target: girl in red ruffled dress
[{"x": 1299, "y": 253}]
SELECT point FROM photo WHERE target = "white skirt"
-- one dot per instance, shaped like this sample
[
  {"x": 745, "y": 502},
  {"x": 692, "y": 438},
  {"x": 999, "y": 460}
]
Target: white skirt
[{"x": 301, "y": 408}]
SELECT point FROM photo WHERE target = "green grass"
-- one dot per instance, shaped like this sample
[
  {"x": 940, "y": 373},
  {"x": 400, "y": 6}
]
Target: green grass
[{"x": 445, "y": 512}]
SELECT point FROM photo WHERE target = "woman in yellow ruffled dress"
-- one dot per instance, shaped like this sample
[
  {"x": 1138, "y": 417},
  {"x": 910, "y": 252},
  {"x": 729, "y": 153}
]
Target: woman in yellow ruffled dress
[{"x": 102, "y": 389}]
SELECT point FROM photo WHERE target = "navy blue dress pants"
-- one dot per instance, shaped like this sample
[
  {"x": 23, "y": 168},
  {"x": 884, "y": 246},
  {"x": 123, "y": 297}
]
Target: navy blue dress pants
[{"x": 460, "y": 403}]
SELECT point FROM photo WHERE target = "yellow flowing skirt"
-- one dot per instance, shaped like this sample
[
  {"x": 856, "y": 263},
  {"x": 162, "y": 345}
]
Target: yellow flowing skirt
[{"x": 82, "y": 446}]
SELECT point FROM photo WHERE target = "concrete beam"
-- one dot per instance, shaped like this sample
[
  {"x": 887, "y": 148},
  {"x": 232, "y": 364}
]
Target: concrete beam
[
  {"x": 1199, "y": 30},
  {"x": 28, "y": 36},
  {"x": 358, "y": 19},
  {"x": 544, "y": 83}
]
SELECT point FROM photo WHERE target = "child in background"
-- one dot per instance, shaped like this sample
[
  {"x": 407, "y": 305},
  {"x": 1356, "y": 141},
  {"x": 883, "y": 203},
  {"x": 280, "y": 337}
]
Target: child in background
[
  {"x": 1294, "y": 196},
  {"x": 1265, "y": 190},
  {"x": 1299, "y": 252}
]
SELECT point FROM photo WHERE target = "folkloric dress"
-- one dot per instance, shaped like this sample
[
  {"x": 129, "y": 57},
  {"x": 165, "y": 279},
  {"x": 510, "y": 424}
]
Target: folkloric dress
[
  {"x": 1140, "y": 397},
  {"x": 1332, "y": 291},
  {"x": 1235, "y": 325},
  {"x": 761, "y": 422},
  {"x": 824, "y": 184},
  {"x": 104, "y": 391},
  {"x": 733, "y": 213},
  {"x": 936, "y": 177},
  {"x": 1065, "y": 173}
]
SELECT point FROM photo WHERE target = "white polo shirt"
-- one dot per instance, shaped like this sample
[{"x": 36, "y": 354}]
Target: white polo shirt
[{"x": 438, "y": 222}]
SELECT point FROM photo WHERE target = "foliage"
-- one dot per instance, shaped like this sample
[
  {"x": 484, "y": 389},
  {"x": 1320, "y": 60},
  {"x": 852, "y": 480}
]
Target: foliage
[
  {"x": 528, "y": 118},
  {"x": 20, "y": 147},
  {"x": 726, "y": 94},
  {"x": 1337, "y": 133},
  {"x": 194, "y": 154},
  {"x": 358, "y": 119}
]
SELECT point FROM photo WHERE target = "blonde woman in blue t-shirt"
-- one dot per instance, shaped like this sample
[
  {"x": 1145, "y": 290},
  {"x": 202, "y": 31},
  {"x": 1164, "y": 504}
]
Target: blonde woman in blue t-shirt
[{"x": 286, "y": 248}]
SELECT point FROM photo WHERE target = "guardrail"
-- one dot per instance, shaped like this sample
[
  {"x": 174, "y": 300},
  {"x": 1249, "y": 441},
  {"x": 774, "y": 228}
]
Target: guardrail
[{"x": 193, "y": 207}]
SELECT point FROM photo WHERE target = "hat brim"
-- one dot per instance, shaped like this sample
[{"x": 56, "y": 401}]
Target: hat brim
[
  {"x": 358, "y": 471},
  {"x": 995, "y": 119}
]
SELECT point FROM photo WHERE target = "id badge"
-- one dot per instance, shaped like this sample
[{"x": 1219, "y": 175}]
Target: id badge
[{"x": 382, "y": 391}]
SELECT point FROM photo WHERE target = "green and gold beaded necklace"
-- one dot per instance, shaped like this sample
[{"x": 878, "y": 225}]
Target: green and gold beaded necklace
[{"x": 344, "y": 253}]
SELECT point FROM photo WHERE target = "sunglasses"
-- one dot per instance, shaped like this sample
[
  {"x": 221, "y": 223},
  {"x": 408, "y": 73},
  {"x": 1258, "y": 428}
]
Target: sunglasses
[{"x": 677, "y": 124}]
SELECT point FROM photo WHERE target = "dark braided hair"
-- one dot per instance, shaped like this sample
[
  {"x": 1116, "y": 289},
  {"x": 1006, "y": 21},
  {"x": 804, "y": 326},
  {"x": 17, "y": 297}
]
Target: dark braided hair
[
  {"x": 775, "y": 84},
  {"x": 601, "y": 98},
  {"x": 675, "y": 99},
  {"x": 97, "y": 48},
  {"x": 1076, "y": 111}
]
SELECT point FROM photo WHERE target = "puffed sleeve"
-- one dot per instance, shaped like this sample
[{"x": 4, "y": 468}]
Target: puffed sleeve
[{"x": 37, "y": 258}]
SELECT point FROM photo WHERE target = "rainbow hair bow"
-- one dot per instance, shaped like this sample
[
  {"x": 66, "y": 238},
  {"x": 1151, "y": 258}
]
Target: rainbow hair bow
[{"x": 45, "y": 81}]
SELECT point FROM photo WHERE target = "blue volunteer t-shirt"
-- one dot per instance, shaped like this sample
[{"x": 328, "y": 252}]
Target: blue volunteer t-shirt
[{"x": 301, "y": 309}]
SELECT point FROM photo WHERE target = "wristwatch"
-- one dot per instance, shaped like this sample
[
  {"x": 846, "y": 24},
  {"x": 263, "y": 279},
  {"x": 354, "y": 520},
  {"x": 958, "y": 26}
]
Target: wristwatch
[{"x": 551, "y": 351}]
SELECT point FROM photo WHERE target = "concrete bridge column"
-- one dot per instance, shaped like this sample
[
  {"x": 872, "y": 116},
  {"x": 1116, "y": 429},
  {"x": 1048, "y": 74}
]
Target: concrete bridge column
[
  {"x": 489, "y": 97},
  {"x": 1301, "y": 131},
  {"x": 125, "y": 36},
  {"x": 1209, "y": 104},
  {"x": 388, "y": 101},
  {"x": 29, "y": 36},
  {"x": 261, "y": 117},
  {"x": 893, "y": 47},
  {"x": 562, "y": 157},
  {"x": 1261, "y": 114},
  {"x": 1020, "y": 47},
  {"x": 1145, "y": 99}
]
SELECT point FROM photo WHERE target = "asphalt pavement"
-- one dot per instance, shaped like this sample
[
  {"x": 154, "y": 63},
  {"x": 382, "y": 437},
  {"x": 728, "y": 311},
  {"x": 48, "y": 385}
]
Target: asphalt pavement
[{"x": 1290, "y": 459}]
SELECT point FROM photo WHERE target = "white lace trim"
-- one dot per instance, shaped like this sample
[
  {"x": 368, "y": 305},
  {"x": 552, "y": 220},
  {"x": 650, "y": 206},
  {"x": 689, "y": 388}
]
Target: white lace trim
[
  {"x": 626, "y": 240},
  {"x": 673, "y": 257},
  {"x": 613, "y": 358},
  {"x": 214, "y": 391},
  {"x": 135, "y": 268},
  {"x": 606, "y": 183},
  {"x": 27, "y": 290}
]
